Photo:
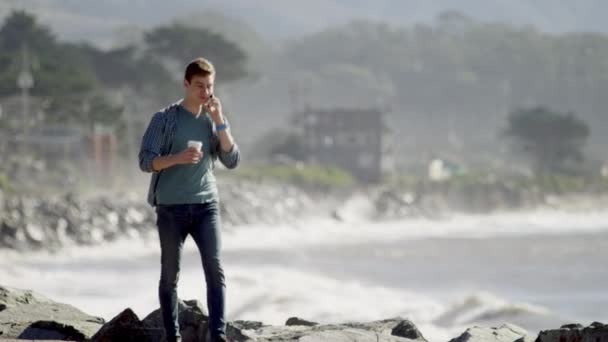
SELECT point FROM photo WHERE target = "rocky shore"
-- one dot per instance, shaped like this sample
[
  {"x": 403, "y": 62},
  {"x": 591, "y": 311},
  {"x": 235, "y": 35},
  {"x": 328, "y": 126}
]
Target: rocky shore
[
  {"x": 30, "y": 222},
  {"x": 31, "y": 316}
]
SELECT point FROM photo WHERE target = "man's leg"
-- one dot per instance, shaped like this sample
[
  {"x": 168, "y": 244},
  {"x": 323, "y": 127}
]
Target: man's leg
[
  {"x": 206, "y": 233},
  {"x": 172, "y": 231}
]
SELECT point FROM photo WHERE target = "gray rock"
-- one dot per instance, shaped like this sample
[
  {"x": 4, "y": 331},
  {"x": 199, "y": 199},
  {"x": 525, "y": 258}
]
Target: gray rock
[
  {"x": 596, "y": 332},
  {"x": 407, "y": 329},
  {"x": 26, "y": 312},
  {"x": 190, "y": 312},
  {"x": 127, "y": 327},
  {"x": 300, "y": 321},
  {"x": 51, "y": 222},
  {"x": 506, "y": 333},
  {"x": 193, "y": 323},
  {"x": 11, "y": 297},
  {"x": 192, "y": 320},
  {"x": 371, "y": 331},
  {"x": 235, "y": 334},
  {"x": 394, "y": 326},
  {"x": 46, "y": 330},
  {"x": 247, "y": 325}
]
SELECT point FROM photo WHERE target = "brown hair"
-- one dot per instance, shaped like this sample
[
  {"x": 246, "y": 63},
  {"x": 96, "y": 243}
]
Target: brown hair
[{"x": 199, "y": 67}]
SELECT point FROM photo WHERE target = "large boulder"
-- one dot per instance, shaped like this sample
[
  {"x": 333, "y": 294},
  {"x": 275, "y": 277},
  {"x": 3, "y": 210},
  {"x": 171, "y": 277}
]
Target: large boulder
[
  {"x": 299, "y": 321},
  {"x": 11, "y": 297},
  {"x": 391, "y": 330},
  {"x": 408, "y": 330},
  {"x": 126, "y": 326},
  {"x": 26, "y": 314},
  {"x": 505, "y": 333},
  {"x": 596, "y": 332},
  {"x": 192, "y": 320},
  {"x": 44, "y": 330},
  {"x": 193, "y": 324}
]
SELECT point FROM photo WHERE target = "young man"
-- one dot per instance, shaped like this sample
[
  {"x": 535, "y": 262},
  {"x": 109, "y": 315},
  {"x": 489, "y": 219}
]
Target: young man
[{"x": 184, "y": 191}]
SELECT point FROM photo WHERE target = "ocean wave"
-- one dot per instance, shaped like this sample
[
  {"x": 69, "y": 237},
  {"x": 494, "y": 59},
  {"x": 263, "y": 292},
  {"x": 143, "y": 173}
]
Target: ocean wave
[
  {"x": 321, "y": 232},
  {"x": 487, "y": 309}
]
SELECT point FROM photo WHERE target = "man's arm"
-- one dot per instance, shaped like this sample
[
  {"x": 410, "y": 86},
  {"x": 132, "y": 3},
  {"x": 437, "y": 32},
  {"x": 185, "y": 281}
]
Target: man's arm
[
  {"x": 151, "y": 143},
  {"x": 227, "y": 150},
  {"x": 163, "y": 162},
  {"x": 150, "y": 159},
  {"x": 187, "y": 156},
  {"x": 226, "y": 139}
]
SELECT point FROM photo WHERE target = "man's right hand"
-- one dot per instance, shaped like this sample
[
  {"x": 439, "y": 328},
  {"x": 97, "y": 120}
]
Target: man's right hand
[{"x": 188, "y": 156}]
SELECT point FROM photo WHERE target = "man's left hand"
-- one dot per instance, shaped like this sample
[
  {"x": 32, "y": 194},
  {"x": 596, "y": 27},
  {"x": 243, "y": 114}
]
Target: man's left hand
[{"x": 214, "y": 107}]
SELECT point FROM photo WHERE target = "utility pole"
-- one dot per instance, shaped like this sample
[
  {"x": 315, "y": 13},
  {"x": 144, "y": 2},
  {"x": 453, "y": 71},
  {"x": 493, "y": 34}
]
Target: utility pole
[
  {"x": 130, "y": 107},
  {"x": 25, "y": 81}
]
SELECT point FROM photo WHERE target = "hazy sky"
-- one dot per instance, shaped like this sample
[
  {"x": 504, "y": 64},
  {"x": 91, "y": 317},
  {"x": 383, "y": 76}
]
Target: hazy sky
[{"x": 100, "y": 21}]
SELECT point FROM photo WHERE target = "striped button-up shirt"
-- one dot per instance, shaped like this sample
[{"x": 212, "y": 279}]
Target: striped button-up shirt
[{"x": 157, "y": 141}]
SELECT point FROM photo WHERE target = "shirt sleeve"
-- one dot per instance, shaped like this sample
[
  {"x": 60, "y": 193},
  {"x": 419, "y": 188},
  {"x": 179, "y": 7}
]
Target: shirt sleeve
[
  {"x": 230, "y": 159},
  {"x": 151, "y": 143}
]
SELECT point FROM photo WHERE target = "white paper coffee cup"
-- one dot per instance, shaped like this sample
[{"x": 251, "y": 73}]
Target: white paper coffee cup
[{"x": 196, "y": 144}]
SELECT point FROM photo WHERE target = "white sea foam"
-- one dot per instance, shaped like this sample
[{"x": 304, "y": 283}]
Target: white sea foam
[
  {"x": 329, "y": 232},
  {"x": 103, "y": 280}
]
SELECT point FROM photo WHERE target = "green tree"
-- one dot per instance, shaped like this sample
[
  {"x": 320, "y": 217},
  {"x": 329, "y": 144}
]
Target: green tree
[
  {"x": 551, "y": 138},
  {"x": 57, "y": 67},
  {"x": 125, "y": 66},
  {"x": 20, "y": 27},
  {"x": 180, "y": 44}
]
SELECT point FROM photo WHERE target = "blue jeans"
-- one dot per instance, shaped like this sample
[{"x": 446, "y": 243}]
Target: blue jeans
[{"x": 202, "y": 222}]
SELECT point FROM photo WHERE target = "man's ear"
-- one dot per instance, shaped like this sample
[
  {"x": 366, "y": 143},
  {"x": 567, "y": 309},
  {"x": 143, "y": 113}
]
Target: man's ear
[{"x": 186, "y": 83}]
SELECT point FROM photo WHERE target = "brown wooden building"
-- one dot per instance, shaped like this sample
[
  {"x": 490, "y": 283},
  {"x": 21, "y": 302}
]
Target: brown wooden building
[{"x": 352, "y": 139}]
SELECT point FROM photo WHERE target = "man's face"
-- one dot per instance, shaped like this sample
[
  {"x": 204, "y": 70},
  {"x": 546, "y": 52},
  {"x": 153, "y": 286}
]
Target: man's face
[{"x": 200, "y": 88}]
